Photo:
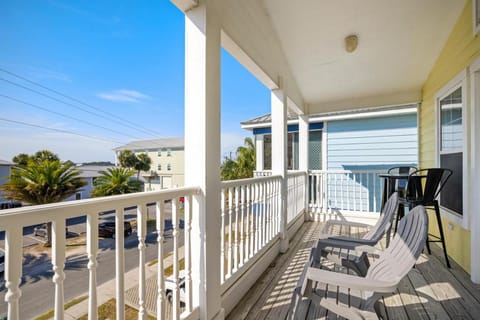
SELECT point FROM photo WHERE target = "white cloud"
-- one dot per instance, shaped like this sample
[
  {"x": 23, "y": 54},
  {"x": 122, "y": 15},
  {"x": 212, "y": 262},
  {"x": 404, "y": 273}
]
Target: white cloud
[{"x": 123, "y": 95}]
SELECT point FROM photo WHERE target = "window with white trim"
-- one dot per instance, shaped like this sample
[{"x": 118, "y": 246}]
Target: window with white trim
[
  {"x": 476, "y": 17},
  {"x": 450, "y": 122}
]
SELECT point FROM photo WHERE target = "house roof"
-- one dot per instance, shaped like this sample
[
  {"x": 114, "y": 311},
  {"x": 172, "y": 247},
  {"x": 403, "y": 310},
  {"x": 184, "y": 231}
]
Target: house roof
[
  {"x": 91, "y": 171},
  {"x": 264, "y": 120},
  {"x": 175, "y": 142},
  {"x": 5, "y": 163}
]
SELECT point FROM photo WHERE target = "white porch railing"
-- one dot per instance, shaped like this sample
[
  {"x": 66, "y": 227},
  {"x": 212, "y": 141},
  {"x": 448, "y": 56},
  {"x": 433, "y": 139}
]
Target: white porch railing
[
  {"x": 250, "y": 237},
  {"x": 296, "y": 187},
  {"x": 358, "y": 191},
  {"x": 13, "y": 221},
  {"x": 250, "y": 220}
]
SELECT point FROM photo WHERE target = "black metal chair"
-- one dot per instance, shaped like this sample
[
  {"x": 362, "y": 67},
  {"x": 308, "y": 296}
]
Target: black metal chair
[{"x": 423, "y": 188}]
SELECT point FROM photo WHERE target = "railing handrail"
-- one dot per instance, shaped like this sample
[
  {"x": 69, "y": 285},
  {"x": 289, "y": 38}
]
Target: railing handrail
[
  {"x": 348, "y": 171},
  {"x": 241, "y": 182},
  {"x": 44, "y": 212},
  {"x": 295, "y": 173}
]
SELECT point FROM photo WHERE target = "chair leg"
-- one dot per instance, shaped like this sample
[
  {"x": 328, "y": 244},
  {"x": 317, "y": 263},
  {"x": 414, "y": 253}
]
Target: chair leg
[
  {"x": 400, "y": 214},
  {"x": 442, "y": 237}
]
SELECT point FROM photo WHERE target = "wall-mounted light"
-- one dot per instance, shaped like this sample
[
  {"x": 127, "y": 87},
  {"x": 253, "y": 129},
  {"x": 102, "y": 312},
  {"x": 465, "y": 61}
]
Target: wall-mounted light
[{"x": 351, "y": 43}]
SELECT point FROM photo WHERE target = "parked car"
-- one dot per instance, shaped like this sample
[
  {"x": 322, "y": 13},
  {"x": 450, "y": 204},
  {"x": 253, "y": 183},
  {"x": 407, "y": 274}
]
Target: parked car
[
  {"x": 107, "y": 229},
  {"x": 2, "y": 262},
  {"x": 41, "y": 230},
  {"x": 170, "y": 286}
]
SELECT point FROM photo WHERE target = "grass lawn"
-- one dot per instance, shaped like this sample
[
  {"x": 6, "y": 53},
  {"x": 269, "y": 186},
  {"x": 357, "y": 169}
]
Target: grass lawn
[
  {"x": 67, "y": 305},
  {"x": 107, "y": 311}
]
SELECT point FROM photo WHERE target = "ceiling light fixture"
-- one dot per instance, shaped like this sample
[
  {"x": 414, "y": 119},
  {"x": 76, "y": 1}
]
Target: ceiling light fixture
[{"x": 351, "y": 43}]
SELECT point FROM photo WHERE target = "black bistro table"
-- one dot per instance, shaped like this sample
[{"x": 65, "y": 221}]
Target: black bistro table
[{"x": 389, "y": 183}]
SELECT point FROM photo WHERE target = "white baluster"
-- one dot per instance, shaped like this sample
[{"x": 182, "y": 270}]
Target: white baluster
[
  {"x": 264, "y": 213},
  {"x": 368, "y": 190},
  {"x": 13, "y": 269},
  {"x": 251, "y": 196},
  {"x": 159, "y": 224},
  {"x": 222, "y": 238},
  {"x": 360, "y": 175},
  {"x": 58, "y": 262},
  {"x": 230, "y": 235},
  {"x": 119, "y": 263},
  {"x": 188, "y": 253},
  {"x": 92, "y": 249},
  {"x": 354, "y": 192},
  {"x": 141, "y": 233},
  {"x": 242, "y": 225},
  {"x": 176, "y": 287},
  {"x": 237, "y": 204},
  {"x": 247, "y": 230},
  {"x": 257, "y": 216}
]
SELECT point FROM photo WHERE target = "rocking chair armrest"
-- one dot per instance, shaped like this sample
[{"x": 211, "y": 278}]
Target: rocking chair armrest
[
  {"x": 350, "y": 244},
  {"x": 347, "y": 281}
]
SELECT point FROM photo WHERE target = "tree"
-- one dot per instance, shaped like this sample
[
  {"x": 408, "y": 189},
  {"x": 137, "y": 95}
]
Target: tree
[
  {"x": 42, "y": 179},
  {"x": 246, "y": 159},
  {"x": 128, "y": 159},
  {"x": 115, "y": 181},
  {"x": 143, "y": 163},
  {"x": 243, "y": 166}
]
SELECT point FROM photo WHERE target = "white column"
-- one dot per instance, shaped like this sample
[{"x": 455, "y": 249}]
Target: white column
[
  {"x": 259, "y": 152},
  {"x": 279, "y": 156},
  {"x": 475, "y": 178},
  {"x": 202, "y": 154},
  {"x": 303, "y": 156}
]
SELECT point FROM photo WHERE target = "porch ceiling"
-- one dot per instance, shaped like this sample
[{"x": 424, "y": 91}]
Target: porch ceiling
[{"x": 399, "y": 42}]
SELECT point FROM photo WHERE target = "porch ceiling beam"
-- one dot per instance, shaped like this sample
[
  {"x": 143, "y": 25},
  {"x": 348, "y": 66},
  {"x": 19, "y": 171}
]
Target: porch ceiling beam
[
  {"x": 380, "y": 100},
  {"x": 249, "y": 36},
  {"x": 185, "y": 5}
]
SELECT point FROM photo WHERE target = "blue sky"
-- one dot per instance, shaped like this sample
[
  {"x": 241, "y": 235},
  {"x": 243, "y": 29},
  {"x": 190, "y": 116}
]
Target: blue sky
[{"x": 119, "y": 58}]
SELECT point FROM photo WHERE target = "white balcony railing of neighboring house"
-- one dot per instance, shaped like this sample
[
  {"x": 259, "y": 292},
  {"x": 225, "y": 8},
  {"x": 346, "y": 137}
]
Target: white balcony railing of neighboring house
[
  {"x": 344, "y": 190},
  {"x": 251, "y": 217}
]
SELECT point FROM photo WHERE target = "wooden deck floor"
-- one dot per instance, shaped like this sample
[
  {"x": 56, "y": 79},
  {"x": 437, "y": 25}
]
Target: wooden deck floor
[{"x": 431, "y": 291}]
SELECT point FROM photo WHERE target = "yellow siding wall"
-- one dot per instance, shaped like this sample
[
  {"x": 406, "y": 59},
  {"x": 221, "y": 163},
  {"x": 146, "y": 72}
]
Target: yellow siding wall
[{"x": 459, "y": 51}]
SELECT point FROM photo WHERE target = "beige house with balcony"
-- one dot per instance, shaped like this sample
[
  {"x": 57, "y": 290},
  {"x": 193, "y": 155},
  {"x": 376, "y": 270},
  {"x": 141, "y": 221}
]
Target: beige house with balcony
[{"x": 167, "y": 168}]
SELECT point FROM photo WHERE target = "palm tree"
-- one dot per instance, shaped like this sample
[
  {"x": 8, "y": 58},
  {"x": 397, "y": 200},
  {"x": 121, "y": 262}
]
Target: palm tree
[
  {"x": 243, "y": 166},
  {"x": 143, "y": 163},
  {"x": 115, "y": 181},
  {"x": 140, "y": 162},
  {"x": 42, "y": 181},
  {"x": 246, "y": 159}
]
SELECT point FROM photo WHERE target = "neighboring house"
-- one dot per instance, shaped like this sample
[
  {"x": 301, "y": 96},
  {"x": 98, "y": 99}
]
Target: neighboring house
[
  {"x": 89, "y": 174},
  {"x": 5, "y": 167},
  {"x": 167, "y": 168},
  {"x": 351, "y": 147},
  {"x": 366, "y": 139}
]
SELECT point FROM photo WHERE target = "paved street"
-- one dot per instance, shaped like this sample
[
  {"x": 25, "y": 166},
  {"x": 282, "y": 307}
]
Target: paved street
[{"x": 37, "y": 286}]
